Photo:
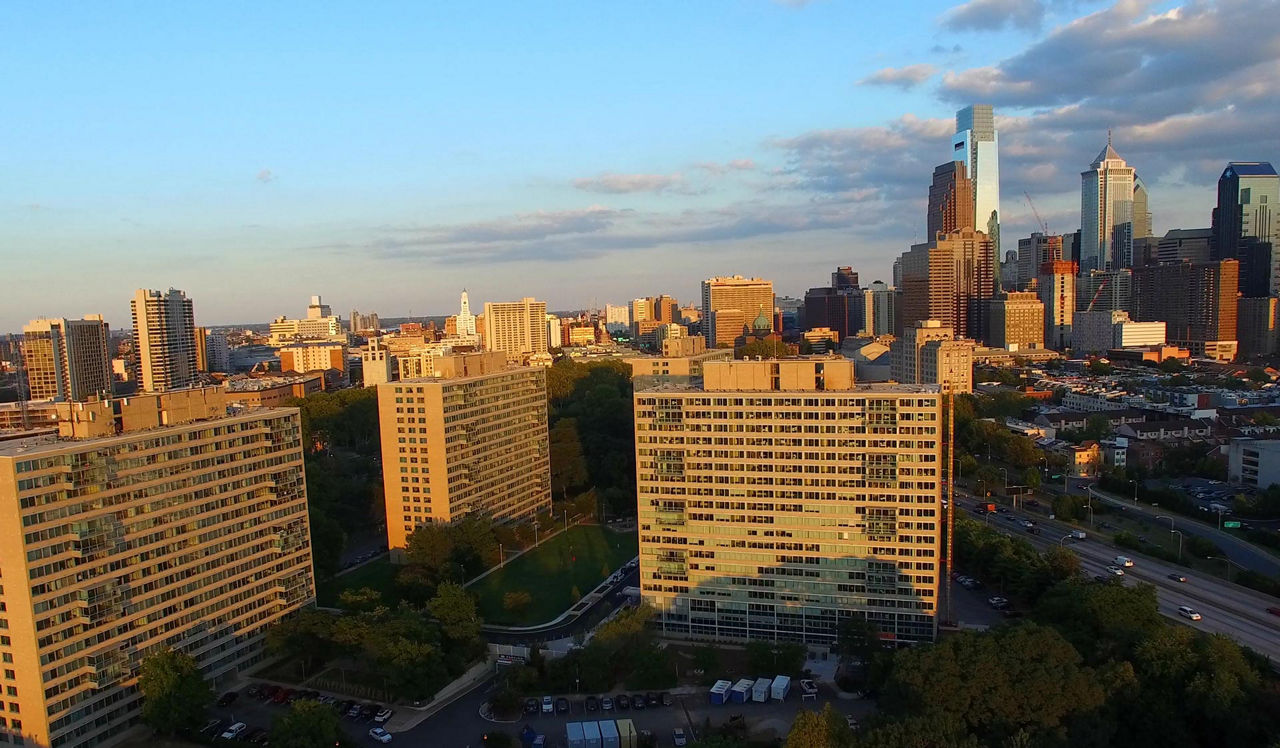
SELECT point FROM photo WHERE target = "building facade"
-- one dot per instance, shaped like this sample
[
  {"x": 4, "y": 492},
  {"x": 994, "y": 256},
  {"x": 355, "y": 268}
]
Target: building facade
[
  {"x": 472, "y": 440},
  {"x": 1056, "y": 287},
  {"x": 1033, "y": 253},
  {"x": 745, "y": 296},
  {"x": 164, "y": 340},
  {"x": 947, "y": 279},
  {"x": 1254, "y": 462},
  {"x": 1256, "y": 326},
  {"x": 1016, "y": 321},
  {"x": 212, "y": 352},
  {"x": 157, "y": 521},
  {"x": 67, "y": 359},
  {"x": 516, "y": 328},
  {"x": 950, "y": 200},
  {"x": 1248, "y": 193},
  {"x": 1102, "y": 331},
  {"x": 777, "y": 499},
  {"x": 1197, "y": 302},
  {"x": 1106, "y": 213},
  {"x": 304, "y": 357}
]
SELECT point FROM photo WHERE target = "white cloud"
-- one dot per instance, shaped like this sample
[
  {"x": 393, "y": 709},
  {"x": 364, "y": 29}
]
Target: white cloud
[
  {"x": 906, "y": 77},
  {"x": 619, "y": 184}
]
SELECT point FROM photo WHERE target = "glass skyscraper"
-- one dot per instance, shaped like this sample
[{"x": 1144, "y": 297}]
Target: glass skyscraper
[
  {"x": 977, "y": 144},
  {"x": 1107, "y": 213}
]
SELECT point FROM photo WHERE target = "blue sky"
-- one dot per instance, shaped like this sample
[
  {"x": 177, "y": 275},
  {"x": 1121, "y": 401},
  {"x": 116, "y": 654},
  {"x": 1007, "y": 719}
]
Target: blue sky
[{"x": 386, "y": 155}]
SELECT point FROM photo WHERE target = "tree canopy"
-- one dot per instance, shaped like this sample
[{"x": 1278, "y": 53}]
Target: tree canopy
[
  {"x": 307, "y": 724},
  {"x": 174, "y": 692}
]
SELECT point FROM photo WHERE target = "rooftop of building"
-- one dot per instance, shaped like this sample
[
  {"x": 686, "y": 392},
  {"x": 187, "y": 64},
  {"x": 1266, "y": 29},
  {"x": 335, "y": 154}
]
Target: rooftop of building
[
  {"x": 257, "y": 384},
  {"x": 1250, "y": 169},
  {"x": 695, "y": 385}
]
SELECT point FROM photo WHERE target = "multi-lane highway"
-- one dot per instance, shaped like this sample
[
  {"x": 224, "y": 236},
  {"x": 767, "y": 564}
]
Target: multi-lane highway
[{"x": 1225, "y": 608}]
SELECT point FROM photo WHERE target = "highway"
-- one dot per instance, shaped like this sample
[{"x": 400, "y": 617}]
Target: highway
[{"x": 1225, "y": 608}]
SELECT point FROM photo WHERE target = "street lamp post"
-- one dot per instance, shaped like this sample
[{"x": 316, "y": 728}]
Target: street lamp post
[
  {"x": 1162, "y": 516},
  {"x": 1063, "y": 539},
  {"x": 502, "y": 556},
  {"x": 1089, "y": 505},
  {"x": 1135, "y": 491},
  {"x": 1179, "y": 532},
  {"x": 1230, "y": 563}
]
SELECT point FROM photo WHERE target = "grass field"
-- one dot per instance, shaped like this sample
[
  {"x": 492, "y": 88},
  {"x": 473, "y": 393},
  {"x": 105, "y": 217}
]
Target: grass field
[
  {"x": 379, "y": 574},
  {"x": 581, "y": 557}
]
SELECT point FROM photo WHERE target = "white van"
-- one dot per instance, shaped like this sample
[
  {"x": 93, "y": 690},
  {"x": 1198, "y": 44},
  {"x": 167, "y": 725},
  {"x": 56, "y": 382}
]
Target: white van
[
  {"x": 1124, "y": 561},
  {"x": 1186, "y": 611},
  {"x": 233, "y": 732}
]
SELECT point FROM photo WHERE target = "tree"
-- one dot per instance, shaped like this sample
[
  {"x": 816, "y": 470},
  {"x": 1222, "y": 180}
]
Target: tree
[
  {"x": 568, "y": 464},
  {"x": 455, "y": 609},
  {"x": 429, "y": 546},
  {"x": 858, "y": 638},
  {"x": 516, "y": 601},
  {"x": 764, "y": 349},
  {"x": 363, "y": 599},
  {"x": 307, "y": 634},
  {"x": 1031, "y": 478},
  {"x": 931, "y": 731},
  {"x": 814, "y": 730},
  {"x": 307, "y": 724},
  {"x": 174, "y": 693}
]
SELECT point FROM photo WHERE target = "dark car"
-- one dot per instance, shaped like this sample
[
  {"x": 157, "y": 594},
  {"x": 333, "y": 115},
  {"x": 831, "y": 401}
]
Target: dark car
[
  {"x": 651, "y": 698},
  {"x": 256, "y": 735},
  {"x": 638, "y": 701},
  {"x": 368, "y": 710},
  {"x": 227, "y": 698},
  {"x": 531, "y": 705},
  {"x": 342, "y": 706},
  {"x": 592, "y": 703},
  {"x": 666, "y": 698},
  {"x": 562, "y": 705},
  {"x": 282, "y": 696},
  {"x": 213, "y": 727},
  {"x": 268, "y": 692},
  {"x": 623, "y": 701},
  {"x": 253, "y": 691},
  {"x": 1274, "y": 611},
  {"x": 354, "y": 711},
  {"x": 1177, "y": 577}
]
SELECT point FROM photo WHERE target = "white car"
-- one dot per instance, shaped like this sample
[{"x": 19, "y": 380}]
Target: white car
[
  {"x": 1186, "y": 611},
  {"x": 233, "y": 732},
  {"x": 548, "y": 706},
  {"x": 380, "y": 735},
  {"x": 383, "y": 716},
  {"x": 1116, "y": 570},
  {"x": 678, "y": 738},
  {"x": 1124, "y": 561}
]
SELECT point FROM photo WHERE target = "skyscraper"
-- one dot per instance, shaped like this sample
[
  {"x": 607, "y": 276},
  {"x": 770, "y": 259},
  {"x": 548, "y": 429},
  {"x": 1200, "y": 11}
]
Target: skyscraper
[
  {"x": 159, "y": 521},
  {"x": 1141, "y": 208},
  {"x": 1197, "y": 301},
  {"x": 1106, "y": 213},
  {"x": 1015, "y": 321},
  {"x": 517, "y": 328},
  {"x": 465, "y": 321},
  {"x": 844, "y": 278},
  {"x": 1057, "y": 290},
  {"x": 212, "y": 351},
  {"x": 164, "y": 340},
  {"x": 67, "y": 359},
  {"x": 740, "y": 299},
  {"x": 318, "y": 309},
  {"x": 1248, "y": 193},
  {"x": 1034, "y": 252},
  {"x": 977, "y": 144},
  {"x": 950, "y": 200},
  {"x": 947, "y": 279},
  {"x": 928, "y": 352},
  {"x": 745, "y": 547}
]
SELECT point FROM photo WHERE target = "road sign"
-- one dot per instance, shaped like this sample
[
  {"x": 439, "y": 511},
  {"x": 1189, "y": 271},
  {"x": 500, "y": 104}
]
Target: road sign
[{"x": 1231, "y": 525}]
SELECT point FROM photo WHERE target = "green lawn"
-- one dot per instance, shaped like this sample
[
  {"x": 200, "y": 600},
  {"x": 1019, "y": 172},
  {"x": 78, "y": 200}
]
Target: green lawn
[
  {"x": 581, "y": 557},
  {"x": 379, "y": 574}
]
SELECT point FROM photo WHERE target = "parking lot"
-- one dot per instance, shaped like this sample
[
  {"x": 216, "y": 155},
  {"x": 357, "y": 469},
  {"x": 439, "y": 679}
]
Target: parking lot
[{"x": 258, "y": 705}]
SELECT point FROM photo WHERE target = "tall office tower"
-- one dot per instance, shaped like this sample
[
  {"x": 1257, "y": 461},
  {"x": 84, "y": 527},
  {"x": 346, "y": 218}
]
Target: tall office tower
[
  {"x": 157, "y": 521},
  {"x": 928, "y": 352},
  {"x": 472, "y": 440},
  {"x": 555, "y": 331},
  {"x": 1146, "y": 251},
  {"x": 317, "y": 309},
  {"x": 1141, "y": 208},
  {"x": 1057, "y": 290},
  {"x": 641, "y": 310},
  {"x": 1197, "y": 301},
  {"x": 1256, "y": 326},
  {"x": 164, "y": 340},
  {"x": 844, "y": 278},
  {"x": 465, "y": 322},
  {"x": 1016, "y": 321},
  {"x": 212, "y": 351},
  {"x": 1189, "y": 245},
  {"x": 880, "y": 299},
  {"x": 517, "y": 328},
  {"x": 728, "y": 550},
  {"x": 950, "y": 200},
  {"x": 947, "y": 279},
  {"x": 746, "y": 297},
  {"x": 665, "y": 309},
  {"x": 1104, "y": 290},
  {"x": 1248, "y": 192},
  {"x": 977, "y": 144},
  {"x": 67, "y": 359},
  {"x": 1034, "y": 252},
  {"x": 364, "y": 322},
  {"x": 827, "y": 307},
  {"x": 1106, "y": 213}
]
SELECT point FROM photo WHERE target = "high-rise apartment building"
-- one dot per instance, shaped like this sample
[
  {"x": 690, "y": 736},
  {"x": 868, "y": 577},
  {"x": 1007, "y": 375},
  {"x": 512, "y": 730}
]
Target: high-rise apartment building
[
  {"x": 879, "y": 309},
  {"x": 748, "y": 297},
  {"x": 1016, "y": 321},
  {"x": 1107, "y": 213},
  {"x": 947, "y": 279},
  {"x": 617, "y": 315},
  {"x": 950, "y": 200},
  {"x": 67, "y": 359},
  {"x": 555, "y": 331},
  {"x": 1033, "y": 252},
  {"x": 928, "y": 352},
  {"x": 1247, "y": 226},
  {"x": 1257, "y": 326},
  {"x": 212, "y": 351},
  {"x": 1197, "y": 301},
  {"x": 977, "y": 144},
  {"x": 471, "y": 440},
  {"x": 164, "y": 340},
  {"x": 1056, "y": 287},
  {"x": 364, "y": 323},
  {"x": 157, "y": 521},
  {"x": 517, "y": 328},
  {"x": 1104, "y": 290},
  {"x": 777, "y": 499}
]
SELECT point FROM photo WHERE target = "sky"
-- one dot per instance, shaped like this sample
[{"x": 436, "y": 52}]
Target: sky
[{"x": 388, "y": 155}]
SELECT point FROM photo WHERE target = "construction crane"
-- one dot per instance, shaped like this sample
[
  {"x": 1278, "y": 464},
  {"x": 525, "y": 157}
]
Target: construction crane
[
  {"x": 1094, "y": 300},
  {"x": 1043, "y": 226}
]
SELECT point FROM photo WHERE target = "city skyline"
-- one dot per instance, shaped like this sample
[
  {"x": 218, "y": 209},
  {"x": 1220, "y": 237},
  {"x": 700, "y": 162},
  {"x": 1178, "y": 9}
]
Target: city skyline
[{"x": 287, "y": 168}]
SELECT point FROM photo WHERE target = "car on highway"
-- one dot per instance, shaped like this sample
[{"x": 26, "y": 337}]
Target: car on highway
[
  {"x": 678, "y": 737},
  {"x": 1124, "y": 561},
  {"x": 1177, "y": 577},
  {"x": 1274, "y": 611},
  {"x": 548, "y": 705},
  {"x": 593, "y": 704},
  {"x": 1186, "y": 611},
  {"x": 1115, "y": 571},
  {"x": 380, "y": 735}
]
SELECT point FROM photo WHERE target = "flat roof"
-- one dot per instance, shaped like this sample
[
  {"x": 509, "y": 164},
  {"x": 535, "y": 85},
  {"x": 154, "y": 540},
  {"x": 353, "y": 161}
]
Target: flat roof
[{"x": 868, "y": 388}]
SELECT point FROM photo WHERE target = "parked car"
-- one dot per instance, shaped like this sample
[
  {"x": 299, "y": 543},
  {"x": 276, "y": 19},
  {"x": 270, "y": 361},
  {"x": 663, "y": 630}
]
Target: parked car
[
  {"x": 1186, "y": 611},
  {"x": 997, "y": 602},
  {"x": 380, "y": 735},
  {"x": 651, "y": 699},
  {"x": 1177, "y": 577},
  {"x": 562, "y": 705},
  {"x": 606, "y": 704},
  {"x": 369, "y": 710},
  {"x": 253, "y": 691},
  {"x": 638, "y": 701},
  {"x": 623, "y": 701},
  {"x": 530, "y": 705},
  {"x": 678, "y": 738},
  {"x": 268, "y": 692},
  {"x": 212, "y": 727},
  {"x": 666, "y": 696},
  {"x": 354, "y": 710},
  {"x": 592, "y": 703},
  {"x": 282, "y": 696},
  {"x": 233, "y": 732},
  {"x": 383, "y": 715},
  {"x": 256, "y": 735},
  {"x": 548, "y": 706},
  {"x": 227, "y": 698}
]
